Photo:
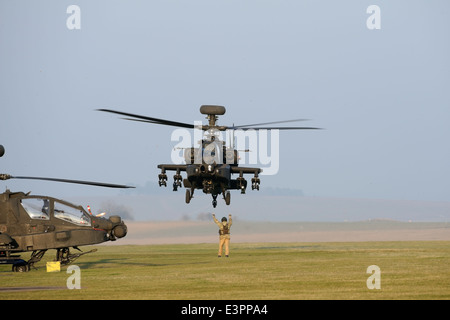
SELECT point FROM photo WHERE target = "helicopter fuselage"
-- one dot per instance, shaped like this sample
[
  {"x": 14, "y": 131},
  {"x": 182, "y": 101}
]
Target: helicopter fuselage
[
  {"x": 39, "y": 223},
  {"x": 210, "y": 169}
]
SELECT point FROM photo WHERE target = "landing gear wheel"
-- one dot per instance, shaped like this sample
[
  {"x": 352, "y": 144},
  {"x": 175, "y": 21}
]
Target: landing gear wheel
[
  {"x": 188, "y": 196},
  {"x": 21, "y": 267},
  {"x": 227, "y": 198}
]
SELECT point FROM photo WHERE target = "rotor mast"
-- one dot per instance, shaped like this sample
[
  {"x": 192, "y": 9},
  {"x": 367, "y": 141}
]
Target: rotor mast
[{"x": 212, "y": 120}]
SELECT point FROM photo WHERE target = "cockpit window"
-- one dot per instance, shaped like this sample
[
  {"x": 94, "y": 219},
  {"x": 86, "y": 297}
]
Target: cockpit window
[
  {"x": 37, "y": 208},
  {"x": 71, "y": 214}
]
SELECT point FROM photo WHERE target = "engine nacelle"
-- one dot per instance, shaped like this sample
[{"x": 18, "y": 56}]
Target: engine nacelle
[
  {"x": 231, "y": 156},
  {"x": 190, "y": 154}
]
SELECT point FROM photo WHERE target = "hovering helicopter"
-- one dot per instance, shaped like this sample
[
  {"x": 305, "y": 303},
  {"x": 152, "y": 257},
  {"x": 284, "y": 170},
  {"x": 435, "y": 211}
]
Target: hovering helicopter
[
  {"x": 32, "y": 223},
  {"x": 210, "y": 166}
]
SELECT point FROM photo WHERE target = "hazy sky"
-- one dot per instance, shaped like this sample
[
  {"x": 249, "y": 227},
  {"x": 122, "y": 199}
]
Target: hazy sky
[{"x": 382, "y": 95}]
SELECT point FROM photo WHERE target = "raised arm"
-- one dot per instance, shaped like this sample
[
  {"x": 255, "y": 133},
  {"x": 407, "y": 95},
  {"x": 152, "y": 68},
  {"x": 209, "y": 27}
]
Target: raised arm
[{"x": 215, "y": 220}]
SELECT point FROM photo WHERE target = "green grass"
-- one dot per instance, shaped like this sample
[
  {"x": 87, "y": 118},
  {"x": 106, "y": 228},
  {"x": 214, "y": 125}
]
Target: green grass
[{"x": 409, "y": 270}]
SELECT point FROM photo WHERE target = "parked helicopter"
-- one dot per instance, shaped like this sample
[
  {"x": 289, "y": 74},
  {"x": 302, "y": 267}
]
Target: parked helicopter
[
  {"x": 33, "y": 223},
  {"x": 210, "y": 166}
]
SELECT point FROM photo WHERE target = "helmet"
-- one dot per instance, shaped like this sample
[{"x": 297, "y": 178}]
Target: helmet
[{"x": 224, "y": 219}]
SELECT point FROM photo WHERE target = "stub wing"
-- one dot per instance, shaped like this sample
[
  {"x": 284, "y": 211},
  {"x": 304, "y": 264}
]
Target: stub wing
[
  {"x": 177, "y": 177},
  {"x": 243, "y": 170},
  {"x": 172, "y": 167},
  {"x": 240, "y": 182}
]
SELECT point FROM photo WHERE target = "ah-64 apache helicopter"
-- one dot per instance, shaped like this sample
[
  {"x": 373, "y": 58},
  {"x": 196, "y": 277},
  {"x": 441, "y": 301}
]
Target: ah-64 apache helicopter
[
  {"x": 32, "y": 223},
  {"x": 210, "y": 166}
]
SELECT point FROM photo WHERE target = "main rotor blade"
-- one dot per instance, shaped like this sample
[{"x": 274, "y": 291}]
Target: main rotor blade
[
  {"x": 150, "y": 119},
  {"x": 158, "y": 122},
  {"x": 98, "y": 184},
  {"x": 265, "y": 123},
  {"x": 279, "y": 128}
]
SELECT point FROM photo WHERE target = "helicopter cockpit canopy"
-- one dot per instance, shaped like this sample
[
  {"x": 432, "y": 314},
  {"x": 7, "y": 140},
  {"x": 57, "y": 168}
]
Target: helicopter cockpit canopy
[
  {"x": 71, "y": 214},
  {"x": 37, "y": 208},
  {"x": 42, "y": 208}
]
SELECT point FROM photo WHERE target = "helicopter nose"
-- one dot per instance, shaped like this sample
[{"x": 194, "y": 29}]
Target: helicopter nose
[{"x": 119, "y": 228}]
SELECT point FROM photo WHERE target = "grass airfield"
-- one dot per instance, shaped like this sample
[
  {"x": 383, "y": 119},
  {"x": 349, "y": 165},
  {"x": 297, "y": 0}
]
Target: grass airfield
[{"x": 254, "y": 271}]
